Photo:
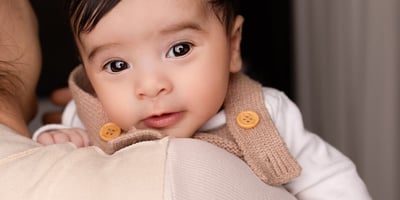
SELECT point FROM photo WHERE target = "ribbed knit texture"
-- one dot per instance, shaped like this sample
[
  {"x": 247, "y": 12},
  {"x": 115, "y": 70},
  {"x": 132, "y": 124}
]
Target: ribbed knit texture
[
  {"x": 89, "y": 109},
  {"x": 261, "y": 147}
]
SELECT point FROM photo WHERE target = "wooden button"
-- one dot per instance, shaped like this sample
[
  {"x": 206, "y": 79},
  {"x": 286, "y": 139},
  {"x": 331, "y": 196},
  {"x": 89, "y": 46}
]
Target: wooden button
[
  {"x": 109, "y": 131},
  {"x": 247, "y": 119}
]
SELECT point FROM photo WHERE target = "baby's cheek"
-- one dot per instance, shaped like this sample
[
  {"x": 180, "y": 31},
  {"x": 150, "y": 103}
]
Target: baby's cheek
[{"x": 124, "y": 118}]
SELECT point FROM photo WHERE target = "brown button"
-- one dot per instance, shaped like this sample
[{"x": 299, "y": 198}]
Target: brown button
[
  {"x": 109, "y": 131},
  {"x": 247, "y": 119}
]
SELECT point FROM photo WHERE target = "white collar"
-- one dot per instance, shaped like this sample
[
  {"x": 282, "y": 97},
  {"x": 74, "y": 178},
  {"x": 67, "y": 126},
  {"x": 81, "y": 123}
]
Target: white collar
[{"x": 216, "y": 121}]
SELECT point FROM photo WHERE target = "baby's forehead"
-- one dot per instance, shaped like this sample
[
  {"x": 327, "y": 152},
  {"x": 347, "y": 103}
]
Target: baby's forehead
[
  {"x": 128, "y": 23},
  {"x": 88, "y": 14}
]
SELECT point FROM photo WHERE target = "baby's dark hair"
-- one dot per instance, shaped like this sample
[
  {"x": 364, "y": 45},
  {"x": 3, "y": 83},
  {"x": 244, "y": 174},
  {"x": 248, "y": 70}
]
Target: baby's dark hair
[{"x": 85, "y": 14}]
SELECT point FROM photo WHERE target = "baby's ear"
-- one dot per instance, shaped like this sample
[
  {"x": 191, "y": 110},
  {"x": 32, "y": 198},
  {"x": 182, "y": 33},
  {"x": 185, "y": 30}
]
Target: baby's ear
[{"x": 235, "y": 39}]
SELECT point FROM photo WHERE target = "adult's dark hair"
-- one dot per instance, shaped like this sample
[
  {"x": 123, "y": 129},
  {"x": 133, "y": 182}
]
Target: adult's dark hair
[{"x": 10, "y": 81}]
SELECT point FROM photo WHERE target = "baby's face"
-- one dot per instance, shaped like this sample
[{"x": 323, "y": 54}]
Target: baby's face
[{"x": 160, "y": 64}]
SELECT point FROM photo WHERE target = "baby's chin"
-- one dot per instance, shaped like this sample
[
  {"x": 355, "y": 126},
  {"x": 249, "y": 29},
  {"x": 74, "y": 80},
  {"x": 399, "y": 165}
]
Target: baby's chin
[{"x": 178, "y": 132}]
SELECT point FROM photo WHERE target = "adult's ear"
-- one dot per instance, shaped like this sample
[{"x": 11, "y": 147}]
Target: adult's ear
[{"x": 235, "y": 40}]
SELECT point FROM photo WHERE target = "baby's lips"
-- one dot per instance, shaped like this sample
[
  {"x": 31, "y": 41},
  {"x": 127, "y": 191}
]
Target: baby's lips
[{"x": 164, "y": 120}]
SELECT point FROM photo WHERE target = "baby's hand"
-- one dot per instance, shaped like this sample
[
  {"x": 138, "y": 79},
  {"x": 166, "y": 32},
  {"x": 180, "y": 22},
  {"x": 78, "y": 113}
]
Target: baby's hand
[{"x": 75, "y": 135}]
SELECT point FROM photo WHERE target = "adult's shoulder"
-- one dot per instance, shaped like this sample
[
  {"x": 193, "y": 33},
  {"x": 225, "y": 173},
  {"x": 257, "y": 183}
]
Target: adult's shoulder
[
  {"x": 170, "y": 168},
  {"x": 216, "y": 174}
]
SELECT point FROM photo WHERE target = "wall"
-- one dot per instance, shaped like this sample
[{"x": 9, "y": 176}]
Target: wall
[{"x": 347, "y": 76}]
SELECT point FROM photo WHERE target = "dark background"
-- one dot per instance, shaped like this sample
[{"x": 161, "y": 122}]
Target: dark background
[{"x": 266, "y": 44}]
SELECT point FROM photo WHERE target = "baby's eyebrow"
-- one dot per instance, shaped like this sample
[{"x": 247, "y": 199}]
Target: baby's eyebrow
[
  {"x": 180, "y": 26},
  {"x": 95, "y": 50},
  {"x": 168, "y": 29}
]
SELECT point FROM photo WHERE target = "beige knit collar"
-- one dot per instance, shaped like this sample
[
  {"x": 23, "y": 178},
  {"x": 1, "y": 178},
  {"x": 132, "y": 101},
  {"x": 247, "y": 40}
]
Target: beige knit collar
[{"x": 261, "y": 147}]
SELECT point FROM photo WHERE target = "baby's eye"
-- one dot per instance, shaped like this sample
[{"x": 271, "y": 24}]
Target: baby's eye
[
  {"x": 116, "y": 66},
  {"x": 180, "y": 49}
]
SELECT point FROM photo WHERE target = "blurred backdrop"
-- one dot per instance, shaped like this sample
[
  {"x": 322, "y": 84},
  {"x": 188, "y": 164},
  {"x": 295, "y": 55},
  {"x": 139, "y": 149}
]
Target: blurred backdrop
[{"x": 348, "y": 82}]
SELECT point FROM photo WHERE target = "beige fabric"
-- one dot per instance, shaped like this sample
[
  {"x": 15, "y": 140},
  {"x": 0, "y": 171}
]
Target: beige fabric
[
  {"x": 171, "y": 169},
  {"x": 29, "y": 171},
  {"x": 197, "y": 170}
]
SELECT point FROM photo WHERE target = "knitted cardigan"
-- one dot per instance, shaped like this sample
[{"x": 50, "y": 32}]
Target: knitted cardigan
[{"x": 261, "y": 147}]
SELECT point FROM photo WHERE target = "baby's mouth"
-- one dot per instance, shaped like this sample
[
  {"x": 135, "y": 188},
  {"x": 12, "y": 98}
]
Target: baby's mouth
[{"x": 163, "y": 120}]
